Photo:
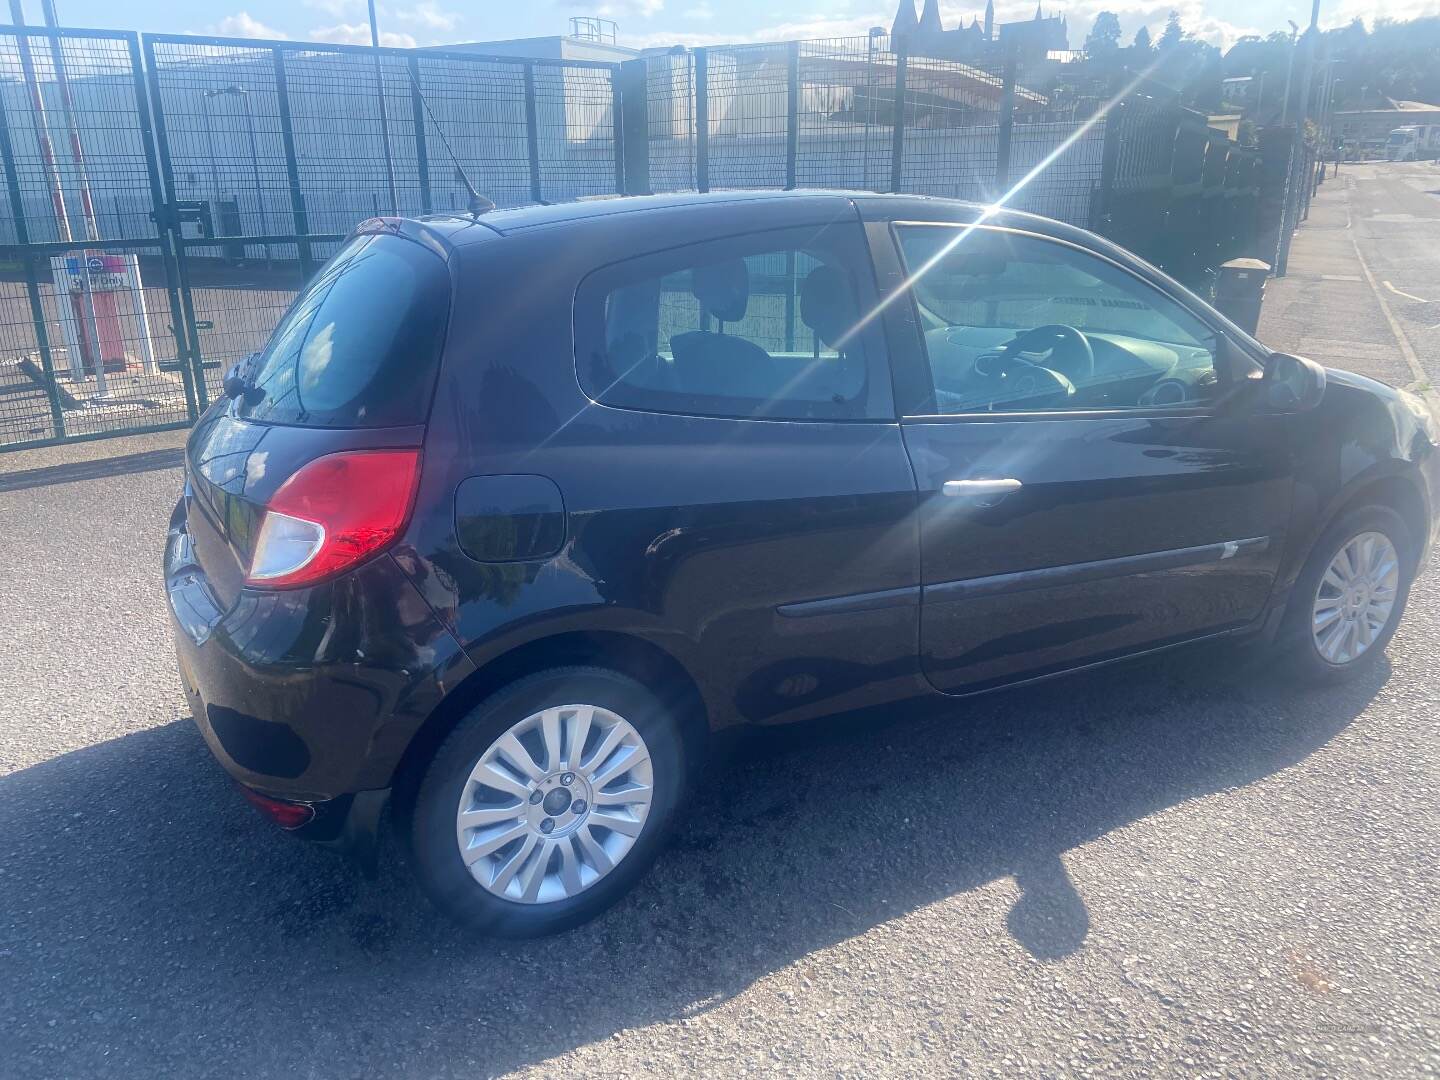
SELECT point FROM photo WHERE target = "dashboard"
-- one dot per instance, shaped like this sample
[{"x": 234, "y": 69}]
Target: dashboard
[{"x": 1129, "y": 372}]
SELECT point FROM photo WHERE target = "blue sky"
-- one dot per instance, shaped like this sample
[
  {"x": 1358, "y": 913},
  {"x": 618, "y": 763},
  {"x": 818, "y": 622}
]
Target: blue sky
[{"x": 663, "y": 22}]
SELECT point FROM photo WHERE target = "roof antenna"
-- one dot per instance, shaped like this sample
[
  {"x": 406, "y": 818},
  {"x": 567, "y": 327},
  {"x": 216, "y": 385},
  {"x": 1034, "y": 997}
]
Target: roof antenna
[{"x": 477, "y": 204}]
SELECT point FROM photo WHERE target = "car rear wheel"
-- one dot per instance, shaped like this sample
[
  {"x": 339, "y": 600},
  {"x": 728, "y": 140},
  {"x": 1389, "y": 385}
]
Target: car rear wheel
[
  {"x": 547, "y": 802},
  {"x": 1349, "y": 598}
]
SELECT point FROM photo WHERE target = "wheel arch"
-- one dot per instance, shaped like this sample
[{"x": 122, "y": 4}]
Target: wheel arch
[
  {"x": 1396, "y": 491},
  {"x": 1393, "y": 488},
  {"x": 642, "y": 660}
]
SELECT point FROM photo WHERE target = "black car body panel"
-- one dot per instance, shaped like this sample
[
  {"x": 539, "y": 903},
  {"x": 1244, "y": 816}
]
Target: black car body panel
[
  {"x": 790, "y": 568},
  {"x": 667, "y": 539},
  {"x": 1362, "y": 435},
  {"x": 1116, "y": 540},
  {"x": 308, "y": 694}
]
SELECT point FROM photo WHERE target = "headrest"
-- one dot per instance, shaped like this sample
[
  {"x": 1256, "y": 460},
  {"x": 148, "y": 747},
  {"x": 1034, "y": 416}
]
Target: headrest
[
  {"x": 722, "y": 288},
  {"x": 827, "y": 305}
]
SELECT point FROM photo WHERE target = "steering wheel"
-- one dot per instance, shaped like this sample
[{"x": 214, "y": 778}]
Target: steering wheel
[{"x": 1070, "y": 351}]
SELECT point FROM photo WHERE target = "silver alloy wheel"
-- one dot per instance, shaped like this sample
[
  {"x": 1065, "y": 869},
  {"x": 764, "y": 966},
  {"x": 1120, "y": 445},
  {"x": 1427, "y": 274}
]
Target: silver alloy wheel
[
  {"x": 1356, "y": 597},
  {"x": 554, "y": 804}
]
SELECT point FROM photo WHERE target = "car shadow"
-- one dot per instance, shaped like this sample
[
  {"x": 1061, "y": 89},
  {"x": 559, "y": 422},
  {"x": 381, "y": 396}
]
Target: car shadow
[{"x": 153, "y": 924}]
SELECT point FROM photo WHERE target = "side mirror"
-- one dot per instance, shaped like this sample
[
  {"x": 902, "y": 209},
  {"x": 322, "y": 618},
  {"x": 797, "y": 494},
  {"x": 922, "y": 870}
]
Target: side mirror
[
  {"x": 1292, "y": 383},
  {"x": 234, "y": 384},
  {"x": 237, "y": 379}
]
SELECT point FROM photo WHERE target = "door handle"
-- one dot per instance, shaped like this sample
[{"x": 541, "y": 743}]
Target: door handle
[{"x": 980, "y": 487}]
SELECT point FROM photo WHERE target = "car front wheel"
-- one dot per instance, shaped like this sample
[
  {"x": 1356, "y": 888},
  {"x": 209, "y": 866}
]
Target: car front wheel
[
  {"x": 547, "y": 802},
  {"x": 1349, "y": 598}
]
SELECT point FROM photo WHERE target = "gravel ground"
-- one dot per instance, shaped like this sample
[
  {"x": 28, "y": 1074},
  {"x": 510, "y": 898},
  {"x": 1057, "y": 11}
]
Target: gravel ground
[{"x": 1176, "y": 866}]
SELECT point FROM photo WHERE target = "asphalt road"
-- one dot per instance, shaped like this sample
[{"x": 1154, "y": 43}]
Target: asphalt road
[{"x": 1177, "y": 866}]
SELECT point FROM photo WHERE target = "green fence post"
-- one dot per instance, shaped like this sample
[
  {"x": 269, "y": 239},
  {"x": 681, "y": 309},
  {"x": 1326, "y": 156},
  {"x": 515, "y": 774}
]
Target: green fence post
[
  {"x": 702, "y": 120},
  {"x": 532, "y": 134},
  {"x": 632, "y": 121},
  {"x": 1005, "y": 127},
  {"x": 897, "y": 139},
  {"x": 292, "y": 167},
  {"x": 417, "y": 119},
  {"x": 792, "y": 112},
  {"x": 167, "y": 226}
]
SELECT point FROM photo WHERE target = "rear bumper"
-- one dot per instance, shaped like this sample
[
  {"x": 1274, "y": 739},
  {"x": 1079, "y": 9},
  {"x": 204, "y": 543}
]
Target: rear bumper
[{"x": 310, "y": 695}]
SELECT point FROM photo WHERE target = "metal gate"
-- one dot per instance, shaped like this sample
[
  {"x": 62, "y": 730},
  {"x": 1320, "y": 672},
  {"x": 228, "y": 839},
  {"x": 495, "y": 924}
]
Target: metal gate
[
  {"x": 271, "y": 152},
  {"x": 91, "y": 331},
  {"x": 136, "y": 265}
]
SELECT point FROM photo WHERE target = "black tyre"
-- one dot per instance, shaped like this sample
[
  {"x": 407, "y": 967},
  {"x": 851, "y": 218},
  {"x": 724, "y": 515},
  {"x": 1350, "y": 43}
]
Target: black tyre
[
  {"x": 547, "y": 802},
  {"x": 1350, "y": 596}
]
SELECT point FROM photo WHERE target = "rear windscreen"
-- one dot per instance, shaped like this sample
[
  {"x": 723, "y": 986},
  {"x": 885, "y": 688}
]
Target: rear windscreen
[{"x": 361, "y": 344}]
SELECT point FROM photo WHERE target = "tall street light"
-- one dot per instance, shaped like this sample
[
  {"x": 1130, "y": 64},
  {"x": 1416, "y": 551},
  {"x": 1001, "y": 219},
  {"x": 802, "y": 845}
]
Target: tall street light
[
  {"x": 1289, "y": 71},
  {"x": 384, "y": 120}
]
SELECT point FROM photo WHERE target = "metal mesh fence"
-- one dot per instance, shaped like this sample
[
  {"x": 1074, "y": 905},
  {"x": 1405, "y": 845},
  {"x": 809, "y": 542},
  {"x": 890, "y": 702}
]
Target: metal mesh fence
[
  {"x": 827, "y": 113},
  {"x": 482, "y": 114},
  {"x": 120, "y": 318},
  {"x": 522, "y": 130},
  {"x": 845, "y": 114},
  {"x": 103, "y": 191},
  {"x": 748, "y": 116},
  {"x": 86, "y": 303},
  {"x": 221, "y": 118},
  {"x": 137, "y": 265},
  {"x": 288, "y": 143},
  {"x": 670, "y": 121},
  {"x": 952, "y": 114},
  {"x": 576, "y": 131}
]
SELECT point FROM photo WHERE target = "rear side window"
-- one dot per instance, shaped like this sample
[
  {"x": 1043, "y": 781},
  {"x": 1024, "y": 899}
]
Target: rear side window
[
  {"x": 767, "y": 326},
  {"x": 361, "y": 344}
]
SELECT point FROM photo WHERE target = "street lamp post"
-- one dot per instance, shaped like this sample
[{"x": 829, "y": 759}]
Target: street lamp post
[
  {"x": 384, "y": 120},
  {"x": 1289, "y": 71}
]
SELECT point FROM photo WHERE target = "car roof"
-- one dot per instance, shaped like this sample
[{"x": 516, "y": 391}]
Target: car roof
[
  {"x": 457, "y": 229},
  {"x": 451, "y": 230}
]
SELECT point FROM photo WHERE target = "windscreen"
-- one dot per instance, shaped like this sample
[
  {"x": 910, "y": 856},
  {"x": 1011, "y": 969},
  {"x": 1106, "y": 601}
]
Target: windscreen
[{"x": 361, "y": 344}]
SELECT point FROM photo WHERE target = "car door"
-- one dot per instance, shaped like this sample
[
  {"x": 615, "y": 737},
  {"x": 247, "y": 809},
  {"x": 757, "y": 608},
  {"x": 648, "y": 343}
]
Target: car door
[
  {"x": 1076, "y": 504},
  {"x": 724, "y": 442}
]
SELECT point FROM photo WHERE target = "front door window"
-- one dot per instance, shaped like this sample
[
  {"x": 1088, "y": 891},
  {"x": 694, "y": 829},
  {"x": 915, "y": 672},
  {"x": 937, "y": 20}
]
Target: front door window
[{"x": 1017, "y": 323}]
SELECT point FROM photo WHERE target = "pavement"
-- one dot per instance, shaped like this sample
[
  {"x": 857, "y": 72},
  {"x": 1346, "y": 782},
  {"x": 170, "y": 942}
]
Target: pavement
[
  {"x": 1363, "y": 288},
  {"x": 1175, "y": 867}
]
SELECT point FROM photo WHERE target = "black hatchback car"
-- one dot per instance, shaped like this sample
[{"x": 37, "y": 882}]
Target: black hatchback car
[{"x": 514, "y": 512}]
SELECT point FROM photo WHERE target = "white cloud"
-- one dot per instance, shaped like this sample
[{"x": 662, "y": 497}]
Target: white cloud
[
  {"x": 359, "y": 34},
  {"x": 242, "y": 25},
  {"x": 337, "y": 9},
  {"x": 821, "y": 27},
  {"x": 701, "y": 12},
  {"x": 429, "y": 15},
  {"x": 620, "y": 9},
  {"x": 1346, "y": 11}
]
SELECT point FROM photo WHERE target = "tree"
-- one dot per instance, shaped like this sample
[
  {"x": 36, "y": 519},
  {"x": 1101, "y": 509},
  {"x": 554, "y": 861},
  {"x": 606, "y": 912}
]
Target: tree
[
  {"x": 1142, "y": 42},
  {"x": 1103, "y": 40},
  {"x": 1173, "y": 34}
]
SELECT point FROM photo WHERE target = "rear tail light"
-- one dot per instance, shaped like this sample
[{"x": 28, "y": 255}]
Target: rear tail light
[{"x": 335, "y": 512}]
